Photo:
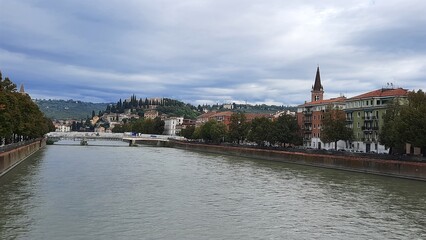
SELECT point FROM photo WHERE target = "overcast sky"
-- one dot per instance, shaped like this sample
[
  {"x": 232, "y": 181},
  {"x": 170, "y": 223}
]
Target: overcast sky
[{"x": 209, "y": 51}]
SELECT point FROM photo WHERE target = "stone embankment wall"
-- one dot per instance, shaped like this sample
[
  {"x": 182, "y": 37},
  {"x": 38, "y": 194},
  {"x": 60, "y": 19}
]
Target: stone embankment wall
[
  {"x": 11, "y": 158},
  {"x": 409, "y": 170}
]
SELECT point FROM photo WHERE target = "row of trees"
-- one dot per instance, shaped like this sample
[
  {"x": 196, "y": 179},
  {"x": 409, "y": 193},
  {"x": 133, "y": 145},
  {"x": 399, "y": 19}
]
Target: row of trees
[
  {"x": 134, "y": 103},
  {"x": 405, "y": 123},
  {"x": 20, "y": 117},
  {"x": 284, "y": 130},
  {"x": 147, "y": 126}
]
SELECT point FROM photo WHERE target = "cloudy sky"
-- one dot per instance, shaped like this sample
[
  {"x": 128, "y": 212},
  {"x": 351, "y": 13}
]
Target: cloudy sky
[{"x": 208, "y": 51}]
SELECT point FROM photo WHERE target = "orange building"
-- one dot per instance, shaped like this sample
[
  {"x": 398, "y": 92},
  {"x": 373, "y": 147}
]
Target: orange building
[{"x": 310, "y": 114}]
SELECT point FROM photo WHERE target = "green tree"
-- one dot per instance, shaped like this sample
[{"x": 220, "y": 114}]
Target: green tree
[
  {"x": 158, "y": 125},
  {"x": 20, "y": 117},
  {"x": 286, "y": 130},
  {"x": 405, "y": 123},
  {"x": 218, "y": 132},
  {"x": 390, "y": 134},
  {"x": 261, "y": 131},
  {"x": 205, "y": 130},
  {"x": 188, "y": 132},
  {"x": 334, "y": 127},
  {"x": 6, "y": 85},
  {"x": 238, "y": 127},
  {"x": 212, "y": 131}
]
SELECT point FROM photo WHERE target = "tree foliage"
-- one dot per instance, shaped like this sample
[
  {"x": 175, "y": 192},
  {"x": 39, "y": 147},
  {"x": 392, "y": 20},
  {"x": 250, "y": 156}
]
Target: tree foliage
[
  {"x": 334, "y": 127},
  {"x": 213, "y": 131},
  {"x": 286, "y": 130},
  {"x": 20, "y": 117},
  {"x": 261, "y": 131},
  {"x": 238, "y": 127},
  {"x": 405, "y": 123},
  {"x": 145, "y": 126},
  {"x": 188, "y": 132}
]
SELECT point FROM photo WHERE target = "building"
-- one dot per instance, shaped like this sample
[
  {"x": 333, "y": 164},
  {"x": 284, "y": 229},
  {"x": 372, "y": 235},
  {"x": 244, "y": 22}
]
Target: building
[
  {"x": 228, "y": 106},
  {"x": 310, "y": 114},
  {"x": 62, "y": 127},
  {"x": 151, "y": 114},
  {"x": 188, "y": 123},
  {"x": 364, "y": 114},
  {"x": 203, "y": 118},
  {"x": 173, "y": 125}
]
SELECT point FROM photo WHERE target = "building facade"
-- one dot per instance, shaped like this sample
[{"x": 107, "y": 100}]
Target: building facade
[
  {"x": 364, "y": 114},
  {"x": 310, "y": 115},
  {"x": 172, "y": 126}
]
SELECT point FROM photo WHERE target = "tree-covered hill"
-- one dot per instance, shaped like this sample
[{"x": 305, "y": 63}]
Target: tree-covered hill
[{"x": 68, "y": 109}]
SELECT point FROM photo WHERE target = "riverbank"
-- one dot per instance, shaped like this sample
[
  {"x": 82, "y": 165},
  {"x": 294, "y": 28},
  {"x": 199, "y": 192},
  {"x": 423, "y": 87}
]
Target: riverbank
[
  {"x": 393, "y": 168},
  {"x": 12, "y": 157}
]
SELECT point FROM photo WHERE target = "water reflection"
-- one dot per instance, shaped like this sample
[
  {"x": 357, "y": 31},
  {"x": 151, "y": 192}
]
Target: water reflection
[
  {"x": 87, "y": 192},
  {"x": 18, "y": 191}
]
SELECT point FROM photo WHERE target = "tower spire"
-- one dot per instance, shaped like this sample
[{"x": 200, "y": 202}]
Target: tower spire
[
  {"x": 21, "y": 89},
  {"x": 317, "y": 84},
  {"x": 317, "y": 90}
]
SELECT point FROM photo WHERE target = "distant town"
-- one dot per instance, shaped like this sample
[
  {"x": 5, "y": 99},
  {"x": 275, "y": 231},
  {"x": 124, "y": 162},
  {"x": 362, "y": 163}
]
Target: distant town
[{"x": 381, "y": 121}]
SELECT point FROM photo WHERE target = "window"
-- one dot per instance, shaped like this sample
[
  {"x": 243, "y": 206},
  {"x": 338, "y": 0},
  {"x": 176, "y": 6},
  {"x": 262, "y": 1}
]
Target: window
[
  {"x": 359, "y": 114},
  {"x": 358, "y": 124}
]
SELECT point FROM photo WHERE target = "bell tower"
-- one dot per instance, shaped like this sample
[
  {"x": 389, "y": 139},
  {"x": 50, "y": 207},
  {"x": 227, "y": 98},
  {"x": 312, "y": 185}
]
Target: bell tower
[{"x": 317, "y": 90}]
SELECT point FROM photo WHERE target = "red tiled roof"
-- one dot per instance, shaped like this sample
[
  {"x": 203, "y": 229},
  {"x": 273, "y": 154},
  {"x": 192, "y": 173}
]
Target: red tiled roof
[
  {"x": 397, "y": 92},
  {"x": 206, "y": 115},
  {"x": 251, "y": 116},
  {"x": 324, "y": 101},
  {"x": 217, "y": 114}
]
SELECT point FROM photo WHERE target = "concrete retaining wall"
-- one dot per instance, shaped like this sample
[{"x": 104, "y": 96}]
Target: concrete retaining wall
[
  {"x": 12, "y": 158},
  {"x": 409, "y": 170}
]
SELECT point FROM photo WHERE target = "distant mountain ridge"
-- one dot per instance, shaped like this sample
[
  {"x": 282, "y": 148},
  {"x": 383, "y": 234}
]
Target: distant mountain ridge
[{"x": 69, "y": 109}]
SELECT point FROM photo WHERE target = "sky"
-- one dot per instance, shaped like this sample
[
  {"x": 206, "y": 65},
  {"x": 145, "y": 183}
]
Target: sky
[{"x": 211, "y": 51}]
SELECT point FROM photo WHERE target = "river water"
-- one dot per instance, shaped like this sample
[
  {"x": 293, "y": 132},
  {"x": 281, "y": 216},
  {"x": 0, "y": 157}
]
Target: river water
[{"x": 121, "y": 192}]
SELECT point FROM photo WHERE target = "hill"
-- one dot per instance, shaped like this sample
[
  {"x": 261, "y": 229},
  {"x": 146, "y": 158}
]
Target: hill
[{"x": 69, "y": 109}]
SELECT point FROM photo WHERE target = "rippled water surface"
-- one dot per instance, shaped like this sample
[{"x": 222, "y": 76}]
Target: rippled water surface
[{"x": 120, "y": 192}]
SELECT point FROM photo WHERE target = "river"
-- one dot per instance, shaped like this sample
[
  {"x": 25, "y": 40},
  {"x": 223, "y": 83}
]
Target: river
[{"x": 67, "y": 191}]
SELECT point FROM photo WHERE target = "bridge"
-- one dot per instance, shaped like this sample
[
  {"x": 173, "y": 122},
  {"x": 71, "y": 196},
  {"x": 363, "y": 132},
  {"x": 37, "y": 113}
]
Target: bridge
[{"x": 131, "y": 138}]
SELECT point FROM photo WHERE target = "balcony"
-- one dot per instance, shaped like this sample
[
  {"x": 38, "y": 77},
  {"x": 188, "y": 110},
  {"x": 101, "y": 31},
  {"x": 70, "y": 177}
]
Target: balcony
[
  {"x": 307, "y": 112},
  {"x": 370, "y": 118},
  {"x": 368, "y": 140},
  {"x": 349, "y": 119},
  {"x": 368, "y": 128},
  {"x": 307, "y": 130},
  {"x": 307, "y": 120}
]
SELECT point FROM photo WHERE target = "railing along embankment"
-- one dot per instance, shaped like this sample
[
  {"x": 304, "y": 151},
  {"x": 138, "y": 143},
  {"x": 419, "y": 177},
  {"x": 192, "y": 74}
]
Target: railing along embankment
[
  {"x": 393, "y": 168},
  {"x": 13, "y": 154}
]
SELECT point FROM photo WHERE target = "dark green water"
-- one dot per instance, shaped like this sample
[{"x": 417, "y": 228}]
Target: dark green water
[{"x": 100, "y": 192}]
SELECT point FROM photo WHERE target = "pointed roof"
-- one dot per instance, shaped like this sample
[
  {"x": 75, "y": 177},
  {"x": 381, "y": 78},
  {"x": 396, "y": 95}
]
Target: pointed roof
[
  {"x": 317, "y": 86},
  {"x": 21, "y": 89}
]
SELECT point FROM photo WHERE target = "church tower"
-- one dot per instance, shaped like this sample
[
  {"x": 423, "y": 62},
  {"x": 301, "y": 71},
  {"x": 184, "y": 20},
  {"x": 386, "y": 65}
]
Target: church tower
[{"x": 317, "y": 90}]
